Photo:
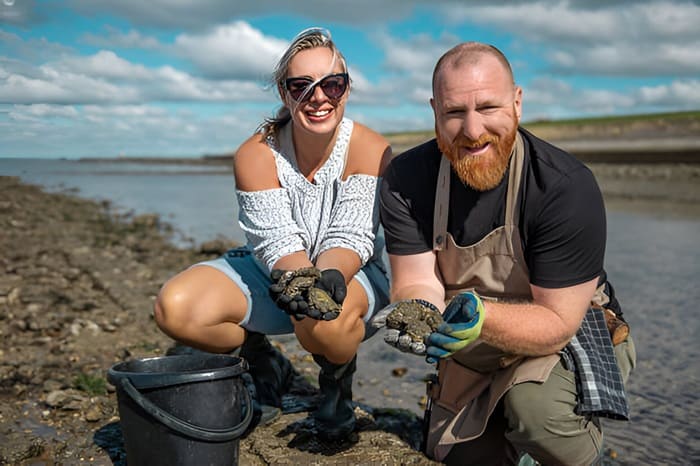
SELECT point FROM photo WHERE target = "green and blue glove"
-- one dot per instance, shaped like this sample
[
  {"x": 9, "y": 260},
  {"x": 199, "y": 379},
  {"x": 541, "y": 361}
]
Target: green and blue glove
[{"x": 463, "y": 317}]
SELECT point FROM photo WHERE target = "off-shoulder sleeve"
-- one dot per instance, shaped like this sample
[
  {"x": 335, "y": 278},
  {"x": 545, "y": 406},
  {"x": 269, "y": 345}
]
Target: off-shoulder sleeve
[
  {"x": 266, "y": 218},
  {"x": 355, "y": 217}
]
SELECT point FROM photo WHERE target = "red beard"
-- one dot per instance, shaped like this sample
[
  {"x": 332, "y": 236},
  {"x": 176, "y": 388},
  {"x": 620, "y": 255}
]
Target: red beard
[{"x": 482, "y": 172}]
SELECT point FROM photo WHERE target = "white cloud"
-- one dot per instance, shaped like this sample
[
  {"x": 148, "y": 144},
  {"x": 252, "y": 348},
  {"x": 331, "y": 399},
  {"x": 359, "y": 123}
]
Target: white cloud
[
  {"x": 197, "y": 15},
  {"x": 107, "y": 78},
  {"x": 21, "y": 13},
  {"x": 45, "y": 110},
  {"x": 104, "y": 64},
  {"x": 114, "y": 100},
  {"x": 547, "y": 97},
  {"x": 231, "y": 51},
  {"x": 32, "y": 49},
  {"x": 680, "y": 93},
  {"x": 125, "y": 129},
  {"x": 620, "y": 59},
  {"x": 55, "y": 87},
  {"x": 113, "y": 37},
  {"x": 124, "y": 111},
  {"x": 656, "y": 38},
  {"x": 545, "y": 91},
  {"x": 410, "y": 63},
  {"x": 417, "y": 54}
]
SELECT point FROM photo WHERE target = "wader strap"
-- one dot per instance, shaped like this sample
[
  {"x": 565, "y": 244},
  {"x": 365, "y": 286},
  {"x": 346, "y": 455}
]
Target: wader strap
[
  {"x": 442, "y": 205},
  {"x": 512, "y": 215}
]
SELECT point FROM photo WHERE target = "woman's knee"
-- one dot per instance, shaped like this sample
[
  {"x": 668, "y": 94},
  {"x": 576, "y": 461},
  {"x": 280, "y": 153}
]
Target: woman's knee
[
  {"x": 199, "y": 297},
  {"x": 171, "y": 308},
  {"x": 336, "y": 340}
]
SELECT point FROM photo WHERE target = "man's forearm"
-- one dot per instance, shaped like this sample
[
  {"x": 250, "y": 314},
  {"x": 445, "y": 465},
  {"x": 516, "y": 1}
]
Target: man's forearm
[{"x": 527, "y": 329}]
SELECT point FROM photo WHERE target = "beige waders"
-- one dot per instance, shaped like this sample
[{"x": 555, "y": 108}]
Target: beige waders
[{"x": 471, "y": 384}]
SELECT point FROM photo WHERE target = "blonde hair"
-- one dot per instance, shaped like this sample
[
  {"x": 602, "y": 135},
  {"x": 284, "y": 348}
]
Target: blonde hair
[{"x": 307, "y": 39}]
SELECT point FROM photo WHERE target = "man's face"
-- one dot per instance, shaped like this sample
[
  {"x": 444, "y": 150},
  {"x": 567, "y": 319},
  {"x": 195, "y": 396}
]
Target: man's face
[{"x": 477, "y": 111}]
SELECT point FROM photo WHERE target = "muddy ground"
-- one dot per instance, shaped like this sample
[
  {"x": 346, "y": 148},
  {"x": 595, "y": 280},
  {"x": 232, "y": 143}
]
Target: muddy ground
[{"x": 77, "y": 283}]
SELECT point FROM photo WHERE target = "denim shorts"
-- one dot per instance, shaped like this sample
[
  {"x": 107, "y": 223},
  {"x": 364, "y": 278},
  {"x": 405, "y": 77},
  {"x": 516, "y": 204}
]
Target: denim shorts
[{"x": 263, "y": 315}]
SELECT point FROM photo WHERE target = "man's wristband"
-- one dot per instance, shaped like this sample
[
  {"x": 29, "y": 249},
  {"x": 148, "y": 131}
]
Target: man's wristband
[{"x": 427, "y": 304}]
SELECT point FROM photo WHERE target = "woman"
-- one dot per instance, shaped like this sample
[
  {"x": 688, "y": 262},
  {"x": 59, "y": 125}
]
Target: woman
[{"x": 306, "y": 184}]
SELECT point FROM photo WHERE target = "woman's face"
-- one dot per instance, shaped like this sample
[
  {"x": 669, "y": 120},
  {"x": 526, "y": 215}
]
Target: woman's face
[{"x": 315, "y": 111}]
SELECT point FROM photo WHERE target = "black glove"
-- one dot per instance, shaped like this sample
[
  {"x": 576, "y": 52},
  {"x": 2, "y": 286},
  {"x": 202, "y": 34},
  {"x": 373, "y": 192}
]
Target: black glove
[
  {"x": 332, "y": 282},
  {"x": 292, "y": 305},
  {"x": 308, "y": 292}
]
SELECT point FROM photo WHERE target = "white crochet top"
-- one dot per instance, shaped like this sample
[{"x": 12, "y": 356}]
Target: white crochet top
[{"x": 311, "y": 216}]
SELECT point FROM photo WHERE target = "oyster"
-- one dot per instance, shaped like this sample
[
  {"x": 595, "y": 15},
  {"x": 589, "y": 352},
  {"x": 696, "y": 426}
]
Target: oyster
[
  {"x": 299, "y": 284},
  {"x": 415, "y": 319},
  {"x": 296, "y": 282},
  {"x": 320, "y": 301}
]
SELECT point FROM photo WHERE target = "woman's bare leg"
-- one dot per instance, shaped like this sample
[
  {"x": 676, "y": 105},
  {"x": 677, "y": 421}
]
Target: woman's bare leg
[
  {"x": 337, "y": 340},
  {"x": 201, "y": 307}
]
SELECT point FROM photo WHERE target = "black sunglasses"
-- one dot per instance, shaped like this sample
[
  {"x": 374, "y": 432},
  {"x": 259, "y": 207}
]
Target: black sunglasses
[{"x": 333, "y": 85}]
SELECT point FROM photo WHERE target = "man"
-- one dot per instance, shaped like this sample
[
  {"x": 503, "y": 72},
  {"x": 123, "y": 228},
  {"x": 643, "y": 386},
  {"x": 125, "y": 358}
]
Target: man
[{"x": 509, "y": 231}]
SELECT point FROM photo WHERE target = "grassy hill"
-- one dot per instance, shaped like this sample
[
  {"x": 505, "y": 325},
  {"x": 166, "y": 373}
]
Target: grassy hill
[{"x": 647, "y": 136}]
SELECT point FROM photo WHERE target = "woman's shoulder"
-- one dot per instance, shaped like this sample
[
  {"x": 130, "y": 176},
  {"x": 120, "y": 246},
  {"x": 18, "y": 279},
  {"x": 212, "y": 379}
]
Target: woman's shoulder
[
  {"x": 254, "y": 165},
  {"x": 369, "y": 152},
  {"x": 367, "y": 137}
]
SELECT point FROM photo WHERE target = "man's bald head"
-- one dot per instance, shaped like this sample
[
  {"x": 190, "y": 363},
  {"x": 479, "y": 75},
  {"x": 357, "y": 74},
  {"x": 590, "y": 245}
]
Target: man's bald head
[{"x": 470, "y": 53}]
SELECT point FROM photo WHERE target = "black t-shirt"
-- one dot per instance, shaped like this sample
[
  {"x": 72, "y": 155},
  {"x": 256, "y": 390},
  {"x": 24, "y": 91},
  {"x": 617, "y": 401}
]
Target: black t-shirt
[{"x": 562, "y": 215}]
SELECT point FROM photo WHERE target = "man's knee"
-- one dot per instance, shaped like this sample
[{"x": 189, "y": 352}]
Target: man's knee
[{"x": 542, "y": 421}]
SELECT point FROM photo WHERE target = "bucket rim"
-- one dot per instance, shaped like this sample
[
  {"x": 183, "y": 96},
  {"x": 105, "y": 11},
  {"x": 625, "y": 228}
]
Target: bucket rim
[{"x": 145, "y": 380}]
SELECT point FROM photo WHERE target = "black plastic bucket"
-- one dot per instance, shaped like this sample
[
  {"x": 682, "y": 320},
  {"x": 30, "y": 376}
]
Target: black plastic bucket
[{"x": 182, "y": 410}]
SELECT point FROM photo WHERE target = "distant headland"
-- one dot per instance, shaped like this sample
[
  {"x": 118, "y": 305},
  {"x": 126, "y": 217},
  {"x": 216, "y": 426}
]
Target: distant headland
[{"x": 644, "y": 138}]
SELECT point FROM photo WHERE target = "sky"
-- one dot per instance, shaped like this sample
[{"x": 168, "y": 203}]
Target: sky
[{"x": 178, "y": 78}]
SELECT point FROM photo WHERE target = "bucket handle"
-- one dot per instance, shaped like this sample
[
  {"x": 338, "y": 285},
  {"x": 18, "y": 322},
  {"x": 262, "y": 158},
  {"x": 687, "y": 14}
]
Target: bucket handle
[{"x": 184, "y": 427}]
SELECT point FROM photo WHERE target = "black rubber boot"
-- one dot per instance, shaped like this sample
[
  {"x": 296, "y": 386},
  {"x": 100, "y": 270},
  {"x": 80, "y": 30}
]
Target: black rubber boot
[
  {"x": 272, "y": 373},
  {"x": 335, "y": 416}
]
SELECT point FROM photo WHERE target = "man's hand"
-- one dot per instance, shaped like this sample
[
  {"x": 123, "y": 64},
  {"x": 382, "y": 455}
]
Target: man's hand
[
  {"x": 464, "y": 318},
  {"x": 408, "y": 322}
]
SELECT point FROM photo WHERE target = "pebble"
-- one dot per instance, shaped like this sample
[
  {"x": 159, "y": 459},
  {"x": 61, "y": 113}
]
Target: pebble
[{"x": 93, "y": 413}]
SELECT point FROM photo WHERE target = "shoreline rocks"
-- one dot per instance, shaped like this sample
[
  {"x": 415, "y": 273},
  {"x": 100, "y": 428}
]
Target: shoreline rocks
[{"x": 77, "y": 284}]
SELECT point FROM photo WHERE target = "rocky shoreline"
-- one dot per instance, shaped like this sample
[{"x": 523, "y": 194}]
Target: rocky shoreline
[{"x": 76, "y": 291}]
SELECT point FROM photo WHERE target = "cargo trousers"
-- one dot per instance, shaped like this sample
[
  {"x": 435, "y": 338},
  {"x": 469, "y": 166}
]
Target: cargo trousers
[{"x": 539, "y": 419}]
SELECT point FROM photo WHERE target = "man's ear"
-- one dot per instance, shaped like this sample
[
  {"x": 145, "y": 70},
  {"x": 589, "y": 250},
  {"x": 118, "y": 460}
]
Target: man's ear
[
  {"x": 433, "y": 105},
  {"x": 518, "y": 104}
]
